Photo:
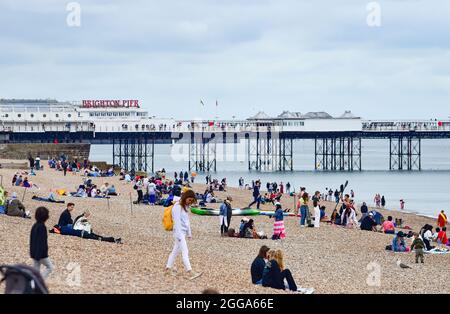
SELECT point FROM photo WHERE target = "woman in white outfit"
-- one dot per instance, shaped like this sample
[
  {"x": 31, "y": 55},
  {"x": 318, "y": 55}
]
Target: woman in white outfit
[
  {"x": 181, "y": 230},
  {"x": 316, "y": 214}
]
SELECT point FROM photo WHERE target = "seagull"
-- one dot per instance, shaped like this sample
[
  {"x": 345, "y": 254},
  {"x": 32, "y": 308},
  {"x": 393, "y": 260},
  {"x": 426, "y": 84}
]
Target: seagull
[{"x": 401, "y": 265}]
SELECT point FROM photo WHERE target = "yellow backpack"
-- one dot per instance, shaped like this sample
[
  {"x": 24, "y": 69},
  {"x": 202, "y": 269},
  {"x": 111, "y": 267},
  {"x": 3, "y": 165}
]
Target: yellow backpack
[{"x": 167, "y": 218}]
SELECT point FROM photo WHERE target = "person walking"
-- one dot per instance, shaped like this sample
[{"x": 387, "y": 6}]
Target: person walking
[
  {"x": 39, "y": 242},
  {"x": 64, "y": 165},
  {"x": 181, "y": 230},
  {"x": 288, "y": 188},
  {"x": 256, "y": 195},
  {"x": 383, "y": 202}
]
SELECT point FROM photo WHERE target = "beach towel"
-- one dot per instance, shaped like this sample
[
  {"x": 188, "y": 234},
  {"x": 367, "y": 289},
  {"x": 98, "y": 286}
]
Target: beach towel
[
  {"x": 278, "y": 229},
  {"x": 438, "y": 251}
]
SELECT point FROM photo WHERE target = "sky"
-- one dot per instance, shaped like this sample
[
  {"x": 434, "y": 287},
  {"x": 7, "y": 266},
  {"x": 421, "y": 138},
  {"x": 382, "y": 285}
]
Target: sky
[{"x": 248, "y": 55}]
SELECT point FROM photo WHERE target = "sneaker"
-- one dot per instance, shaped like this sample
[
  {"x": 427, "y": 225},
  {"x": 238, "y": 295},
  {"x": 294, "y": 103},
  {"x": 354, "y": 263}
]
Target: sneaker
[
  {"x": 192, "y": 275},
  {"x": 305, "y": 290},
  {"x": 170, "y": 271}
]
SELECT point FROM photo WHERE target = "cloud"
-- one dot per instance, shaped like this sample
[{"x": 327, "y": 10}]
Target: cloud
[{"x": 250, "y": 55}]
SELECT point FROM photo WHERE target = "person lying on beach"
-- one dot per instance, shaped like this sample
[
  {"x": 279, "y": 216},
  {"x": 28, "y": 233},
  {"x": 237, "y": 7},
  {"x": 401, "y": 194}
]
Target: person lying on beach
[
  {"x": 51, "y": 198},
  {"x": 388, "y": 226},
  {"x": 258, "y": 265},
  {"x": 82, "y": 224},
  {"x": 275, "y": 273},
  {"x": 15, "y": 208},
  {"x": 369, "y": 223},
  {"x": 398, "y": 244}
]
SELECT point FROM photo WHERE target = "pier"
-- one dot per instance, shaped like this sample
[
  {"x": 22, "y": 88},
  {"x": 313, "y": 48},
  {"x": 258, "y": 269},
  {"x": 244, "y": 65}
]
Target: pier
[{"x": 269, "y": 141}]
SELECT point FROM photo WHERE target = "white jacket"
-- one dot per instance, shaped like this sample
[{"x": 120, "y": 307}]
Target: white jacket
[
  {"x": 181, "y": 224},
  {"x": 82, "y": 224}
]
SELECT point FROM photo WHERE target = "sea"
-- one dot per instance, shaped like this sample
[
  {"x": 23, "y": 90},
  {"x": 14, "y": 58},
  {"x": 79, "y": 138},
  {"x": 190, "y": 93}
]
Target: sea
[{"x": 425, "y": 192}]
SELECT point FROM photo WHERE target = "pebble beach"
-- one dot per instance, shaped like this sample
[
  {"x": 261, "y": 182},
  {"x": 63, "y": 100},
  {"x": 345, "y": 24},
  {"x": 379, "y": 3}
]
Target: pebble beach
[{"x": 330, "y": 259}]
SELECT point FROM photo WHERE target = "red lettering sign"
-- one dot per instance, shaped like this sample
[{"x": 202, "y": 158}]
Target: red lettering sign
[{"x": 110, "y": 103}]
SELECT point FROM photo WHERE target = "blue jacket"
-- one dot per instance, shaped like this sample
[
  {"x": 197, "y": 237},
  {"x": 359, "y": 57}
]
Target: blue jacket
[
  {"x": 279, "y": 215},
  {"x": 224, "y": 210}
]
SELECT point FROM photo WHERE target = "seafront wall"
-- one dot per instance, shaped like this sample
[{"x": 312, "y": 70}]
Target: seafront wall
[{"x": 45, "y": 151}]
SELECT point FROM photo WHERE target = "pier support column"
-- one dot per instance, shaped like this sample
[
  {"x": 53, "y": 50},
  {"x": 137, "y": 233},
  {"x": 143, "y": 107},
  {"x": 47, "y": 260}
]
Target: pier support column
[
  {"x": 338, "y": 154},
  {"x": 202, "y": 152},
  {"x": 135, "y": 154},
  {"x": 268, "y": 152},
  {"x": 405, "y": 153}
]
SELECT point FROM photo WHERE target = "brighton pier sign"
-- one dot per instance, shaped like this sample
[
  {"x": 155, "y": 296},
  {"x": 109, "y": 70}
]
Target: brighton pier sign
[{"x": 110, "y": 103}]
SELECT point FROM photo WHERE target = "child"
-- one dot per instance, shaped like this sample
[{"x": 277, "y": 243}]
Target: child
[
  {"x": 38, "y": 242},
  {"x": 279, "y": 231},
  {"x": 418, "y": 245},
  {"x": 442, "y": 236}
]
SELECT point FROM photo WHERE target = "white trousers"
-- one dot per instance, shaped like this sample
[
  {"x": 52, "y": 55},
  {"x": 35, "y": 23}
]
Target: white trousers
[
  {"x": 180, "y": 245},
  {"x": 47, "y": 263},
  {"x": 223, "y": 220}
]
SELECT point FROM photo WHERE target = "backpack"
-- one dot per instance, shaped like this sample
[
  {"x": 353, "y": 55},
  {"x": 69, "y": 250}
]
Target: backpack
[{"x": 167, "y": 218}]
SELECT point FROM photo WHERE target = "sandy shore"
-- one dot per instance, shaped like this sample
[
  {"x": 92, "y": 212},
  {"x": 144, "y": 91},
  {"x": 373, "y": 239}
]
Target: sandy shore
[{"x": 330, "y": 259}]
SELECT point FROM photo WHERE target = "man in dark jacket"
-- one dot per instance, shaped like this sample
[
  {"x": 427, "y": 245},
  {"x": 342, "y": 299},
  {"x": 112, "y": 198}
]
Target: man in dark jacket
[
  {"x": 256, "y": 195},
  {"x": 66, "y": 218}
]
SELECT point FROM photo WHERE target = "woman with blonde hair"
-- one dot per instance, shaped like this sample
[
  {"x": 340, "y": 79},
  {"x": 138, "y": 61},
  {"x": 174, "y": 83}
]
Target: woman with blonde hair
[
  {"x": 275, "y": 274},
  {"x": 181, "y": 230},
  {"x": 304, "y": 209}
]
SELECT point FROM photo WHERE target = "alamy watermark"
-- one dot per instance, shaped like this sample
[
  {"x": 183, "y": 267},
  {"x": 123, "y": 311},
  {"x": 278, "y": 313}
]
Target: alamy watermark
[
  {"x": 374, "y": 16},
  {"x": 374, "y": 276},
  {"x": 74, "y": 16}
]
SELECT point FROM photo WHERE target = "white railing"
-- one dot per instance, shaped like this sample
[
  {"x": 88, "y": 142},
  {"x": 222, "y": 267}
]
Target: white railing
[{"x": 405, "y": 126}]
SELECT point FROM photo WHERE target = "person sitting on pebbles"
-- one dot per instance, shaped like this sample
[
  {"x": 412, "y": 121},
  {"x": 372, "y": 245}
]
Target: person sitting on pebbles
[
  {"x": 276, "y": 276},
  {"x": 15, "y": 208},
  {"x": 398, "y": 244},
  {"x": 257, "y": 267}
]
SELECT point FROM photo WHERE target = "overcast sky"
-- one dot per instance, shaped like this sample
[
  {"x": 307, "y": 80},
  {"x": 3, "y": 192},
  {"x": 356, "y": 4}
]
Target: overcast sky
[{"x": 249, "y": 55}]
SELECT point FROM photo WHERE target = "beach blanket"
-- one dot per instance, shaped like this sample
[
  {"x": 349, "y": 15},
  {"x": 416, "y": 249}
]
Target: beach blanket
[{"x": 438, "y": 251}]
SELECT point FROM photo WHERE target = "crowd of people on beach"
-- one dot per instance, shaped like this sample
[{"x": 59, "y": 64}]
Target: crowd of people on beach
[{"x": 268, "y": 269}]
